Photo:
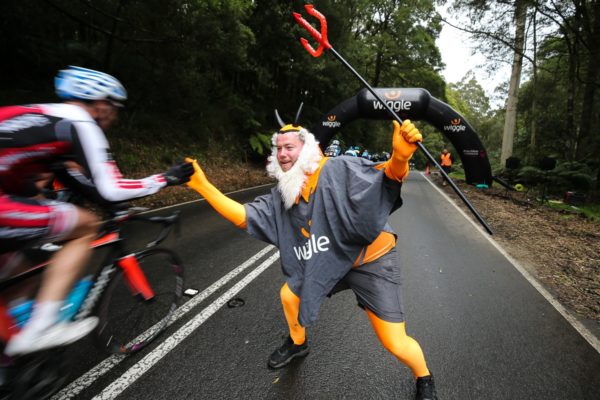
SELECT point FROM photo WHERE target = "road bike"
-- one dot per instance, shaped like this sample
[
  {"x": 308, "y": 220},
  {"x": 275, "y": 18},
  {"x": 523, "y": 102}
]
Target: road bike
[{"x": 134, "y": 294}]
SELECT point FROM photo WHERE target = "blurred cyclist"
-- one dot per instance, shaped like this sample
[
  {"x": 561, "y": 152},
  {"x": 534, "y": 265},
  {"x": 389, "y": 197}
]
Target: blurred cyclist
[
  {"x": 334, "y": 149},
  {"x": 33, "y": 140}
]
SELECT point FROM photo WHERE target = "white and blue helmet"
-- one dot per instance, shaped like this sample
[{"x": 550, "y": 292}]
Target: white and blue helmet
[{"x": 77, "y": 83}]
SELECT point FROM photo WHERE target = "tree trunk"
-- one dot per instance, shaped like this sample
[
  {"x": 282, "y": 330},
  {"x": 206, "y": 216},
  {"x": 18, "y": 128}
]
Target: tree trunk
[
  {"x": 510, "y": 121},
  {"x": 591, "y": 84},
  {"x": 532, "y": 143},
  {"x": 111, "y": 37}
]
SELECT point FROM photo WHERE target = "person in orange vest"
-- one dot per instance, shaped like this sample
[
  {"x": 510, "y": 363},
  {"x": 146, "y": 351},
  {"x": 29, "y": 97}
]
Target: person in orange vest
[{"x": 446, "y": 162}]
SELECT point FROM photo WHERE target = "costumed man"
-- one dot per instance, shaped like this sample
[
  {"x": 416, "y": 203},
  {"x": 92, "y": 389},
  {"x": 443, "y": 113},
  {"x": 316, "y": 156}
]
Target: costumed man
[{"x": 328, "y": 217}]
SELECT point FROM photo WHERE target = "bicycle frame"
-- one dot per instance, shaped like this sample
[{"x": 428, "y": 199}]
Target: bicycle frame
[{"x": 109, "y": 237}]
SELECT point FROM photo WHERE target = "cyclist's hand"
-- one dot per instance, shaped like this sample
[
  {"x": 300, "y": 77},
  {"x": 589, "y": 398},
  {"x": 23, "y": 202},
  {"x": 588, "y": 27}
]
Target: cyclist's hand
[
  {"x": 178, "y": 174},
  {"x": 404, "y": 139},
  {"x": 198, "y": 180}
]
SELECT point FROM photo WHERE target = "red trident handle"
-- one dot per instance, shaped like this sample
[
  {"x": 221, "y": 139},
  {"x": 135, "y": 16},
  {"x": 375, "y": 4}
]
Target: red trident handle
[{"x": 320, "y": 37}]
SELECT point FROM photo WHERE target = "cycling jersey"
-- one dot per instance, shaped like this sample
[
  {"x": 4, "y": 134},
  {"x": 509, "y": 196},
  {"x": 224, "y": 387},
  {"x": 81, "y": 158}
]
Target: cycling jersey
[{"x": 32, "y": 137}]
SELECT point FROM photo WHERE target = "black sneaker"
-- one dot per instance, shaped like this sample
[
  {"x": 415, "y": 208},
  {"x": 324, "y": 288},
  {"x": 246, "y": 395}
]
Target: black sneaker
[
  {"x": 426, "y": 388},
  {"x": 286, "y": 353}
]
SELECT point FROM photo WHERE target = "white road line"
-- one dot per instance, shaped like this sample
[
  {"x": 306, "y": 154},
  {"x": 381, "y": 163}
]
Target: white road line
[
  {"x": 203, "y": 199},
  {"x": 136, "y": 371},
  {"x": 583, "y": 331},
  {"x": 86, "y": 380}
]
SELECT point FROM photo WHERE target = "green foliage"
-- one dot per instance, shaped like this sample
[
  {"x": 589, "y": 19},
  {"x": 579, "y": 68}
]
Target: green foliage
[
  {"x": 568, "y": 176},
  {"x": 208, "y": 73},
  {"x": 260, "y": 143},
  {"x": 531, "y": 176},
  {"x": 573, "y": 176}
]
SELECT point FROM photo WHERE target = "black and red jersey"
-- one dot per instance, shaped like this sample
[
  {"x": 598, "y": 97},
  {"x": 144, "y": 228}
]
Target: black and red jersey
[{"x": 33, "y": 138}]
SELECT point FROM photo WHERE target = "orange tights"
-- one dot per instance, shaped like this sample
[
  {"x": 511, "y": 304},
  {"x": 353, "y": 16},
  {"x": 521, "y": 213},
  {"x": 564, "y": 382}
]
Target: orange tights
[{"x": 391, "y": 334}]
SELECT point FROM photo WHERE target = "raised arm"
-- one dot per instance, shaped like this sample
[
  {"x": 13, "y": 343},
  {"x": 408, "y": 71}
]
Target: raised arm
[
  {"x": 228, "y": 208},
  {"x": 404, "y": 146}
]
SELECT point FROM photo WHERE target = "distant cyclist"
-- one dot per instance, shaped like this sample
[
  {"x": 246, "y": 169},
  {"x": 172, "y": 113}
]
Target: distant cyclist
[
  {"x": 34, "y": 139},
  {"x": 334, "y": 149},
  {"x": 352, "y": 151}
]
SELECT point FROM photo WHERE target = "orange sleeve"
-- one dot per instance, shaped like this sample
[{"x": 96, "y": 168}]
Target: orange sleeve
[{"x": 228, "y": 208}]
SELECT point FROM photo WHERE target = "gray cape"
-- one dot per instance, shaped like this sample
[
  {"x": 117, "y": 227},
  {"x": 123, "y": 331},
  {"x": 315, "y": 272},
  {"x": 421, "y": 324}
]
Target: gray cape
[{"x": 320, "y": 240}]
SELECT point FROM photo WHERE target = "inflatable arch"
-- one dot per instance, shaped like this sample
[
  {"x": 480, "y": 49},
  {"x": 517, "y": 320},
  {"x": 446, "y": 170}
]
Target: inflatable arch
[{"x": 417, "y": 105}]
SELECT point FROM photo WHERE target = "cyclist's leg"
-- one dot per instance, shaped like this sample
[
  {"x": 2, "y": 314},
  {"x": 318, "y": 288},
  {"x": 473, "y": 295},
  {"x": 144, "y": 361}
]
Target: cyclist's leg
[
  {"x": 51, "y": 221},
  {"x": 67, "y": 264}
]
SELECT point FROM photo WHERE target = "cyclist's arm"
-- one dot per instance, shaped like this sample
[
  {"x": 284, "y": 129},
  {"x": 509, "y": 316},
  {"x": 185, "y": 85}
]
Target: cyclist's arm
[
  {"x": 228, "y": 208},
  {"x": 93, "y": 152}
]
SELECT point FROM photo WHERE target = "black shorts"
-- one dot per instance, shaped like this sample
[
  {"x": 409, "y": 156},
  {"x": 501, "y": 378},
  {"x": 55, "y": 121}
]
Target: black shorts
[{"x": 377, "y": 287}]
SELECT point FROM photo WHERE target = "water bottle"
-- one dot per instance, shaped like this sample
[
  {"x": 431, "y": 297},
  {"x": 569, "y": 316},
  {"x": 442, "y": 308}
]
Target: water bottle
[{"x": 75, "y": 298}]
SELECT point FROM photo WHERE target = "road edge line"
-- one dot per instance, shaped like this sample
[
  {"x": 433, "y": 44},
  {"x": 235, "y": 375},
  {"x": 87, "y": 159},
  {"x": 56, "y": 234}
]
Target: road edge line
[
  {"x": 203, "y": 199},
  {"x": 579, "y": 327}
]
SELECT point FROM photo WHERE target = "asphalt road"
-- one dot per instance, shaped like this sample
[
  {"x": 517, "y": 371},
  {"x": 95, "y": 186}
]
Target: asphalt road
[{"x": 487, "y": 333}]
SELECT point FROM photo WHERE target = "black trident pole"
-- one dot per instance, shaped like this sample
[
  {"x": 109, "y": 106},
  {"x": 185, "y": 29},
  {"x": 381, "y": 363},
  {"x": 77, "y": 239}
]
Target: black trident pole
[{"x": 321, "y": 38}]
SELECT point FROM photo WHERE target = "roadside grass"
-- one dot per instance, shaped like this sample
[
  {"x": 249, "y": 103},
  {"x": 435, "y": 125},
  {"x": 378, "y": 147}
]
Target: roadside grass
[{"x": 591, "y": 211}]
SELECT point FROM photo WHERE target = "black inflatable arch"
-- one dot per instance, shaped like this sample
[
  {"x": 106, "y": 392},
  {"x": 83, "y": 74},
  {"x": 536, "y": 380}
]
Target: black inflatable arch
[{"x": 417, "y": 105}]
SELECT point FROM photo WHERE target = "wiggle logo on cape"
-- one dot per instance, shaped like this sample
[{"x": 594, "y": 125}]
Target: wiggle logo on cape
[{"x": 312, "y": 246}]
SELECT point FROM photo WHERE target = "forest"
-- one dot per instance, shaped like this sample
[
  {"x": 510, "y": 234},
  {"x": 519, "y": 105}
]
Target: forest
[{"x": 204, "y": 76}]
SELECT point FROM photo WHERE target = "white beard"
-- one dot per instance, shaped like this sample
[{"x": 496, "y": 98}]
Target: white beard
[{"x": 291, "y": 183}]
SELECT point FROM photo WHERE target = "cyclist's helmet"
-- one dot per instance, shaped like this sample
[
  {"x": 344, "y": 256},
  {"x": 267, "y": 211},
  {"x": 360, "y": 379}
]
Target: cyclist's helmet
[
  {"x": 336, "y": 142},
  {"x": 77, "y": 83}
]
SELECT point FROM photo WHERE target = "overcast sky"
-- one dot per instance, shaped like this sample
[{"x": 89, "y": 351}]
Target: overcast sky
[{"x": 455, "y": 47}]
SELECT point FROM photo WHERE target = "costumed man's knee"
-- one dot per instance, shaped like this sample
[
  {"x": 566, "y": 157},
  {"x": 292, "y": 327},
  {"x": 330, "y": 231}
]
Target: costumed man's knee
[{"x": 392, "y": 335}]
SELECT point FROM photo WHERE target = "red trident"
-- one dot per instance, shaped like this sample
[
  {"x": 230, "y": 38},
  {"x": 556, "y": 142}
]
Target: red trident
[{"x": 320, "y": 37}]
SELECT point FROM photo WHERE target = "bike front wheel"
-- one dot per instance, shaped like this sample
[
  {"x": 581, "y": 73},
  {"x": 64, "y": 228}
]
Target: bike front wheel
[{"x": 128, "y": 320}]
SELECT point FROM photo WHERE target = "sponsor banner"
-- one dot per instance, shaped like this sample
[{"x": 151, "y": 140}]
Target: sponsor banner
[{"x": 415, "y": 104}]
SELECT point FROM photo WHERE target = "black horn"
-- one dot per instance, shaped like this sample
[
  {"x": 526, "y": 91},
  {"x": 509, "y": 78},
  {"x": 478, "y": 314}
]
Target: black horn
[
  {"x": 298, "y": 114},
  {"x": 279, "y": 120}
]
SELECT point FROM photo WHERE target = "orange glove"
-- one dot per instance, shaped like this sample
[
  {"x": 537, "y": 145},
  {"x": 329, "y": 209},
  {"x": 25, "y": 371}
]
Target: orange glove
[
  {"x": 228, "y": 208},
  {"x": 404, "y": 146},
  {"x": 198, "y": 179}
]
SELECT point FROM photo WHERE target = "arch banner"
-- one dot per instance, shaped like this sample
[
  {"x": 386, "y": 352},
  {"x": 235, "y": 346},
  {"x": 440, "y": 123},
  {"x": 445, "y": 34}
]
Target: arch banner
[{"x": 417, "y": 105}]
